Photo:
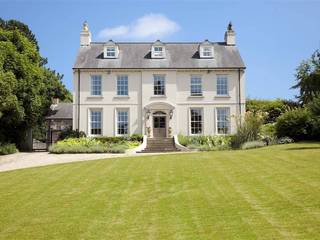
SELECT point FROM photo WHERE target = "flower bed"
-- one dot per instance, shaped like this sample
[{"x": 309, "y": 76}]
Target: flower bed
[{"x": 93, "y": 145}]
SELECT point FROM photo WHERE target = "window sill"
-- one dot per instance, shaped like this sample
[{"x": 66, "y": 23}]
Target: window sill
[
  {"x": 200, "y": 96},
  {"x": 222, "y": 96},
  {"x": 95, "y": 97},
  {"x": 122, "y": 96},
  {"x": 158, "y": 96}
]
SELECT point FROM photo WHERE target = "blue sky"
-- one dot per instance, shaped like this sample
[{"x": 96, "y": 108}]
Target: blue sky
[{"x": 273, "y": 37}]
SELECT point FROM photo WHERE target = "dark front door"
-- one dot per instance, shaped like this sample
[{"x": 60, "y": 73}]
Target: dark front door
[{"x": 159, "y": 126}]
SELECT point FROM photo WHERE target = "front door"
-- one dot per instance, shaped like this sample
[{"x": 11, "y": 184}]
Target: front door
[{"x": 159, "y": 126}]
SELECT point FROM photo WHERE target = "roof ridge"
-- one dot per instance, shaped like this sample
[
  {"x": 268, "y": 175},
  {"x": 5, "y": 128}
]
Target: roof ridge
[{"x": 153, "y": 42}]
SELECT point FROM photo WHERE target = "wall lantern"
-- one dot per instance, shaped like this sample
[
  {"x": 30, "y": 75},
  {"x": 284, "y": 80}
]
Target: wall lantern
[
  {"x": 170, "y": 114},
  {"x": 148, "y": 114}
]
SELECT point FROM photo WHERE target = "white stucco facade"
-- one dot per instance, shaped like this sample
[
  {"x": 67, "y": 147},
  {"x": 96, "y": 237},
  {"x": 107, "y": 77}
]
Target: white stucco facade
[{"x": 141, "y": 101}]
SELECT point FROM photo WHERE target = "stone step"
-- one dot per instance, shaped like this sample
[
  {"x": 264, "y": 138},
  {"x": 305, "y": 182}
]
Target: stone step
[{"x": 160, "y": 145}]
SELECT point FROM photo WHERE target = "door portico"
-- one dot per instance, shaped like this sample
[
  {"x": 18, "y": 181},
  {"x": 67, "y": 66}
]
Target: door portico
[{"x": 158, "y": 119}]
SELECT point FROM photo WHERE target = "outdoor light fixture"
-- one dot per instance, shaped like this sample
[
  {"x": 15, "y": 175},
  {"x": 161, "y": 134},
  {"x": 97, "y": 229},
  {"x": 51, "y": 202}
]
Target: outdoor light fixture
[
  {"x": 170, "y": 114},
  {"x": 148, "y": 114}
]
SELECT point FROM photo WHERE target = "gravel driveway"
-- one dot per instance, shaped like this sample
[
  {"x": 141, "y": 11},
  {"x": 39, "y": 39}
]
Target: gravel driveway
[{"x": 33, "y": 159}]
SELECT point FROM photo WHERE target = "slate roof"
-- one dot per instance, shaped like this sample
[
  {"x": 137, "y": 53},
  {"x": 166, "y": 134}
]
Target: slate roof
[
  {"x": 60, "y": 111},
  {"x": 178, "y": 56}
]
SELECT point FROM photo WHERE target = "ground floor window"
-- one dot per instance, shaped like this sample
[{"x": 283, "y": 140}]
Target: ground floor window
[
  {"x": 223, "y": 120},
  {"x": 196, "y": 120},
  {"x": 122, "y": 122},
  {"x": 95, "y": 122}
]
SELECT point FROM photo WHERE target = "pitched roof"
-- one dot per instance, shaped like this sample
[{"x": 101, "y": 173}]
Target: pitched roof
[
  {"x": 178, "y": 56},
  {"x": 60, "y": 111}
]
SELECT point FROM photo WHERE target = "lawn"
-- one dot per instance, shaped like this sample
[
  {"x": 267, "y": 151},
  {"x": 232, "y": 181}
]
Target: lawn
[{"x": 268, "y": 193}]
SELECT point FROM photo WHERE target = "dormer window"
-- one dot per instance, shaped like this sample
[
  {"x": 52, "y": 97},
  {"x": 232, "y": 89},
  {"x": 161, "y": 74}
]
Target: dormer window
[
  {"x": 207, "y": 52},
  {"x": 206, "y": 49},
  {"x": 111, "y": 50},
  {"x": 158, "y": 50}
]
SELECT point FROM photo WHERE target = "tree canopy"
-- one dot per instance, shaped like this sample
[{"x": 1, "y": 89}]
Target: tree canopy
[
  {"x": 308, "y": 78},
  {"x": 26, "y": 85}
]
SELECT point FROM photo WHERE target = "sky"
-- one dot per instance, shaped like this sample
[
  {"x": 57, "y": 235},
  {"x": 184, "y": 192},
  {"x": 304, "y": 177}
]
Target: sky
[{"x": 273, "y": 36}]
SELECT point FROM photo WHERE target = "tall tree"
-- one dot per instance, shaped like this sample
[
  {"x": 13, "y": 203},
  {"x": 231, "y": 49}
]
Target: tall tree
[
  {"x": 26, "y": 86},
  {"x": 308, "y": 78}
]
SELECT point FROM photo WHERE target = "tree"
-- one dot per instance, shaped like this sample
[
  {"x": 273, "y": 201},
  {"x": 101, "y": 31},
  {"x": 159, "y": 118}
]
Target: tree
[
  {"x": 308, "y": 78},
  {"x": 26, "y": 86}
]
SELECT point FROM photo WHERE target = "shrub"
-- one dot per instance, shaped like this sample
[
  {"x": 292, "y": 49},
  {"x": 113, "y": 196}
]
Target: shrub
[
  {"x": 285, "y": 140},
  {"x": 295, "y": 124},
  {"x": 205, "y": 143},
  {"x": 274, "y": 108},
  {"x": 120, "y": 139},
  {"x": 253, "y": 144},
  {"x": 8, "y": 148},
  {"x": 86, "y": 145},
  {"x": 248, "y": 128},
  {"x": 69, "y": 133}
]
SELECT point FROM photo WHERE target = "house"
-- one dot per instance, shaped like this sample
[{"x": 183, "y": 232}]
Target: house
[
  {"x": 58, "y": 119},
  {"x": 158, "y": 89}
]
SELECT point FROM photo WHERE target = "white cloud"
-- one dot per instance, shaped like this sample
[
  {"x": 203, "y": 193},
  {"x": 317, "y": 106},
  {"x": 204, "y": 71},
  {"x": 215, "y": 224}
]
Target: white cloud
[{"x": 149, "y": 27}]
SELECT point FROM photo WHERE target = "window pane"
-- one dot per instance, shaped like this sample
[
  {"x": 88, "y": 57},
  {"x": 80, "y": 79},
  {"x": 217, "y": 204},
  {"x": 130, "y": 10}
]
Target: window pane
[
  {"x": 159, "y": 85},
  {"x": 196, "y": 86},
  {"x": 122, "y": 85},
  {"x": 95, "y": 85},
  {"x": 223, "y": 120},
  {"x": 96, "y": 122},
  {"x": 222, "y": 85},
  {"x": 122, "y": 123},
  {"x": 111, "y": 52},
  {"x": 196, "y": 121}
]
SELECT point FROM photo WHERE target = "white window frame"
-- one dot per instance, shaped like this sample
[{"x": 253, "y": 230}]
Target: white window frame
[
  {"x": 164, "y": 84},
  {"x": 219, "y": 85},
  {"x": 206, "y": 52},
  {"x": 157, "y": 53},
  {"x": 93, "y": 87},
  {"x": 121, "y": 87},
  {"x": 90, "y": 111},
  {"x": 190, "y": 121},
  {"x": 117, "y": 121},
  {"x": 218, "y": 121},
  {"x": 196, "y": 84},
  {"x": 111, "y": 51}
]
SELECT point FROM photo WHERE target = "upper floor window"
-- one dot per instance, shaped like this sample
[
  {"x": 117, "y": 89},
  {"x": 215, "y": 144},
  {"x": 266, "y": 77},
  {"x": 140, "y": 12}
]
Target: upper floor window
[
  {"x": 223, "y": 120},
  {"x": 206, "y": 49},
  {"x": 196, "y": 120},
  {"x": 96, "y": 85},
  {"x": 196, "y": 86},
  {"x": 122, "y": 85},
  {"x": 159, "y": 85},
  {"x": 96, "y": 122},
  {"x": 122, "y": 122},
  {"x": 111, "y": 52},
  {"x": 207, "y": 52},
  {"x": 158, "y": 50},
  {"x": 111, "y": 49},
  {"x": 222, "y": 85}
]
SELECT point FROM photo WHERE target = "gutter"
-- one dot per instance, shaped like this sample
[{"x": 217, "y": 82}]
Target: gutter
[
  {"x": 78, "y": 127},
  {"x": 239, "y": 77}
]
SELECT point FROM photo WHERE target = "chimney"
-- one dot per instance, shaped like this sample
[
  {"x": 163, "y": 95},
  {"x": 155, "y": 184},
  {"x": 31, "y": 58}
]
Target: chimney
[
  {"x": 85, "y": 35},
  {"x": 230, "y": 35}
]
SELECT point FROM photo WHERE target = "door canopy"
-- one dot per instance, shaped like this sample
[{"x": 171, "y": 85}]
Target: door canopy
[{"x": 159, "y": 106}]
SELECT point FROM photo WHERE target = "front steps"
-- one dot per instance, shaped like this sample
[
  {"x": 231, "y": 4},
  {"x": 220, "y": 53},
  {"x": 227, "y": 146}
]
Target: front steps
[{"x": 160, "y": 145}]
